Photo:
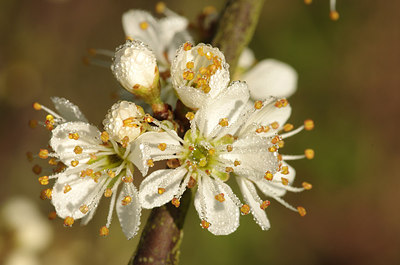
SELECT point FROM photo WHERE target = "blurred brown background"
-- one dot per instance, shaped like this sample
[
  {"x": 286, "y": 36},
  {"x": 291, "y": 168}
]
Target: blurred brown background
[{"x": 348, "y": 83}]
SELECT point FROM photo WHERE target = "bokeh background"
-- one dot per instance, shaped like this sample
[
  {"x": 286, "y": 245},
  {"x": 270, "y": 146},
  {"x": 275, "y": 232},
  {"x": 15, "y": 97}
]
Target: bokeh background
[{"x": 348, "y": 83}]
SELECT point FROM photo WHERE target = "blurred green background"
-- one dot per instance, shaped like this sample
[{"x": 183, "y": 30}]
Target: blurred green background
[{"x": 348, "y": 83}]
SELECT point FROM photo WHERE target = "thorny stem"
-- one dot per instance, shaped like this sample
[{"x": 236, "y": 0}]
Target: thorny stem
[{"x": 161, "y": 237}]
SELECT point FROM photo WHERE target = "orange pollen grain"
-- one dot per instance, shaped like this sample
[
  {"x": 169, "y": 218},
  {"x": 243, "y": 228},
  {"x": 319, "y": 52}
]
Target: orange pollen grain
[
  {"x": 285, "y": 170},
  {"x": 111, "y": 173},
  {"x": 190, "y": 65},
  {"x": 187, "y": 46},
  {"x": 44, "y": 180},
  {"x": 334, "y": 15},
  {"x": 205, "y": 224},
  {"x": 245, "y": 209},
  {"x": 301, "y": 210},
  {"x": 306, "y": 185},
  {"x": 161, "y": 190},
  {"x": 309, "y": 153},
  {"x": 189, "y": 116},
  {"x": 285, "y": 181},
  {"x": 37, "y": 106},
  {"x": 148, "y": 118},
  {"x": 69, "y": 221},
  {"x": 84, "y": 209},
  {"x": 175, "y": 202},
  {"x": 67, "y": 188},
  {"x": 288, "y": 127},
  {"x": 150, "y": 163},
  {"x": 308, "y": 125},
  {"x": 78, "y": 150},
  {"x": 275, "y": 125},
  {"x": 74, "y": 163},
  {"x": 272, "y": 149},
  {"x": 126, "y": 200},
  {"x": 211, "y": 151},
  {"x": 127, "y": 179},
  {"x": 265, "y": 204},
  {"x": 74, "y": 136},
  {"x": 108, "y": 192},
  {"x": 162, "y": 146},
  {"x": 104, "y": 231},
  {"x": 129, "y": 122},
  {"x": 236, "y": 163},
  {"x": 43, "y": 153},
  {"x": 160, "y": 7},
  {"x": 105, "y": 137},
  {"x": 224, "y": 122},
  {"x": 192, "y": 182},
  {"x": 52, "y": 161},
  {"x": 258, "y": 104},
  {"x": 229, "y": 148},
  {"x": 125, "y": 141},
  {"x": 268, "y": 176},
  {"x": 228, "y": 169},
  {"x": 52, "y": 215},
  {"x": 144, "y": 25},
  {"x": 220, "y": 197},
  {"x": 281, "y": 143}
]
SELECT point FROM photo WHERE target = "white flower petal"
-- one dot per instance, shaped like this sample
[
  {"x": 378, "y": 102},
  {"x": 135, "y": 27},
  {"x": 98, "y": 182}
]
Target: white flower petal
[
  {"x": 187, "y": 93},
  {"x": 168, "y": 179},
  {"x": 89, "y": 139},
  {"x": 222, "y": 216},
  {"x": 146, "y": 147},
  {"x": 149, "y": 32},
  {"x": 246, "y": 59},
  {"x": 129, "y": 215},
  {"x": 271, "y": 78},
  {"x": 178, "y": 39},
  {"x": 275, "y": 187},
  {"x": 247, "y": 188},
  {"x": 82, "y": 191},
  {"x": 229, "y": 104},
  {"x": 68, "y": 110},
  {"x": 171, "y": 25}
]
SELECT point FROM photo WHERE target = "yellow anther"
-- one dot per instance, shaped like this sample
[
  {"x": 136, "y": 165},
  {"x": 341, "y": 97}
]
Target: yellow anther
[
  {"x": 44, "y": 180},
  {"x": 173, "y": 163},
  {"x": 211, "y": 151},
  {"x": 192, "y": 182},
  {"x": 285, "y": 170},
  {"x": 281, "y": 143},
  {"x": 236, "y": 163},
  {"x": 125, "y": 141},
  {"x": 175, "y": 202},
  {"x": 334, "y": 15},
  {"x": 285, "y": 181},
  {"x": 108, "y": 192},
  {"x": 53, "y": 161},
  {"x": 84, "y": 209},
  {"x": 43, "y": 153},
  {"x": 190, "y": 65},
  {"x": 208, "y": 172},
  {"x": 74, "y": 136},
  {"x": 188, "y": 75},
  {"x": 126, "y": 200},
  {"x": 67, "y": 188},
  {"x": 37, "y": 169},
  {"x": 265, "y": 204},
  {"x": 307, "y": 2},
  {"x": 278, "y": 104},
  {"x": 245, "y": 209},
  {"x": 200, "y": 51},
  {"x": 203, "y": 162},
  {"x": 49, "y": 126},
  {"x": 229, "y": 148},
  {"x": 209, "y": 55},
  {"x": 306, "y": 185},
  {"x": 144, "y": 25},
  {"x": 284, "y": 102},
  {"x": 74, "y": 163},
  {"x": 205, "y": 224},
  {"x": 288, "y": 127},
  {"x": 127, "y": 179},
  {"x": 220, "y": 197},
  {"x": 228, "y": 169},
  {"x": 189, "y": 116},
  {"x": 309, "y": 153},
  {"x": 111, "y": 173},
  {"x": 187, "y": 46},
  {"x": 136, "y": 87},
  {"x": 272, "y": 149},
  {"x": 308, "y": 125},
  {"x": 148, "y": 118},
  {"x": 37, "y": 106},
  {"x": 46, "y": 194},
  {"x": 78, "y": 150},
  {"x": 258, "y": 104},
  {"x": 150, "y": 163},
  {"x": 105, "y": 137},
  {"x": 279, "y": 156},
  {"x": 161, "y": 190},
  {"x": 104, "y": 231},
  {"x": 203, "y": 70},
  {"x": 268, "y": 176},
  {"x": 69, "y": 221},
  {"x": 275, "y": 139},
  {"x": 266, "y": 128},
  {"x": 301, "y": 211},
  {"x": 93, "y": 156},
  {"x": 206, "y": 89},
  {"x": 50, "y": 118},
  {"x": 89, "y": 172},
  {"x": 224, "y": 122},
  {"x": 52, "y": 215},
  {"x": 129, "y": 122},
  {"x": 160, "y": 7},
  {"x": 275, "y": 125},
  {"x": 260, "y": 130}
]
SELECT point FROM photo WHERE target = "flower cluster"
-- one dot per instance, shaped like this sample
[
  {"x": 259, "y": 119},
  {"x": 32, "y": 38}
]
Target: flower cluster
[{"x": 234, "y": 133}]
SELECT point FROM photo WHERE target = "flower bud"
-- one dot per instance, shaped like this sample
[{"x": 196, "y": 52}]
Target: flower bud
[
  {"x": 124, "y": 119},
  {"x": 135, "y": 67}
]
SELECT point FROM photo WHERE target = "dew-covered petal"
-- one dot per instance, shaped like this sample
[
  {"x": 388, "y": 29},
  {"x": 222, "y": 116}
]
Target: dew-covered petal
[
  {"x": 129, "y": 215},
  {"x": 246, "y": 59},
  {"x": 171, "y": 25},
  {"x": 146, "y": 147},
  {"x": 83, "y": 190},
  {"x": 63, "y": 145},
  {"x": 227, "y": 105},
  {"x": 271, "y": 78},
  {"x": 68, "y": 110},
  {"x": 275, "y": 187},
  {"x": 222, "y": 216},
  {"x": 266, "y": 116},
  {"x": 248, "y": 191},
  {"x": 189, "y": 92},
  {"x": 166, "y": 179},
  {"x": 177, "y": 40}
]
